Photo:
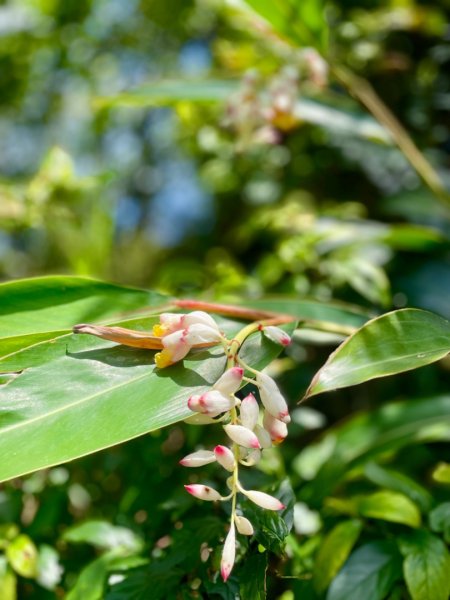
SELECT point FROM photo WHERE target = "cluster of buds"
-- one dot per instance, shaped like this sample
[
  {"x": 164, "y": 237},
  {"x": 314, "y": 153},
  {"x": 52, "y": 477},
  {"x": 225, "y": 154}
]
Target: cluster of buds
[{"x": 248, "y": 431}]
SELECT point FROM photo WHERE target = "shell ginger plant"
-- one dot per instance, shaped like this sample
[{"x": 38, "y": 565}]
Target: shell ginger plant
[{"x": 248, "y": 431}]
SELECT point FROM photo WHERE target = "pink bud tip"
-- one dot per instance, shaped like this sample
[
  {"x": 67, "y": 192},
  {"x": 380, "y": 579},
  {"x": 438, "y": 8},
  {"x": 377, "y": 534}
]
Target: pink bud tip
[
  {"x": 225, "y": 572},
  {"x": 220, "y": 450},
  {"x": 189, "y": 489},
  {"x": 256, "y": 444}
]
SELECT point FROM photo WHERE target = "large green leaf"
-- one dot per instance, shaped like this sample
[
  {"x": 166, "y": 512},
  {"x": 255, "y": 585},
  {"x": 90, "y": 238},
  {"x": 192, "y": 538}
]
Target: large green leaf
[
  {"x": 426, "y": 566},
  {"x": 44, "y": 308},
  {"x": 369, "y": 573},
  {"x": 395, "y": 342},
  {"x": 352, "y": 444},
  {"x": 334, "y": 552},
  {"x": 79, "y": 394}
]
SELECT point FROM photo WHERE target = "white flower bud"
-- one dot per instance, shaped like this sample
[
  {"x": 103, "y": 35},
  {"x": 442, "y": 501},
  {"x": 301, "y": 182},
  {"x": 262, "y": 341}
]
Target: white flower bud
[
  {"x": 211, "y": 403},
  {"x": 230, "y": 381},
  {"x": 202, "y": 334},
  {"x": 264, "y": 500},
  {"x": 176, "y": 347},
  {"x": 198, "y": 459},
  {"x": 202, "y": 492},
  {"x": 242, "y": 436},
  {"x": 272, "y": 399},
  {"x": 276, "y": 428},
  {"x": 199, "y": 317},
  {"x": 263, "y": 436},
  {"x": 225, "y": 457},
  {"x": 243, "y": 525},
  {"x": 277, "y": 335},
  {"x": 228, "y": 553},
  {"x": 249, "y": 411}
]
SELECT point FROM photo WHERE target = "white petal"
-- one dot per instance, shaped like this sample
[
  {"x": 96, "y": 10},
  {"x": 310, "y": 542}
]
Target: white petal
[
  {"x": 202, "y": 334},
  {"x": 199, "y": 317},
  {"x": 263, "y": 436},
  {"x": 242, "y": 436},
  {"x": 276, "y": 428},
  {"x": 264, "y": 500},
  {"x": 230, "y": 381},
  {"x": 202, "y": 492},
  {"x": 277, "y": 335},
  {"x": 272, "y": 399},
  {"x": 198, "y": 459},
  {"x": 249, "y": 411},
  {"x": 228, "y": 554},
  {"x": 225, "y": 457},
  {"x": 243, "y": 525}
]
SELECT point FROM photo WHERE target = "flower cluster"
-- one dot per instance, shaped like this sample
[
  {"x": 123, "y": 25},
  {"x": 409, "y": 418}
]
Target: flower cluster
[
  {"x": 179, "y": 332},
  {"x": 249, "y": 432}
]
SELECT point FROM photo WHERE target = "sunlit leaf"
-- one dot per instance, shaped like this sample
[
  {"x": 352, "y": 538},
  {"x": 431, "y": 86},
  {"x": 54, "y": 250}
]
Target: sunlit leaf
[
  {"x": 390, "y": 506},
  {"x": 103, "y": 535},
  {"x": 426, "y": 566},
  {"x": 395, "y": 342},
  {"x": 399, "y": 482},
  {"x": 440, "y": 520}
]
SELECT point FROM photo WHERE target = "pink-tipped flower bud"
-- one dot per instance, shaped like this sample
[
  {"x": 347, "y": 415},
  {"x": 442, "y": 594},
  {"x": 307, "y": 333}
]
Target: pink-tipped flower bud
[
  {"x": 263, "y": 436},
  {"x": 272, "y": 399},
  {"x": 198, "y": 459},
  {"x": 202, "y": 334},
  {"x": 225, "y": 457},
  {"x": 249, "y": 411},
  {"x": 276, "y": 428},
  {"x": 264, "y": 500},
  {"x": 202, "y": 492},
  {"x": 228, "y": 553},
  {"x": 277, "y": 335},
  {"x": 211, "y": 403},
  {"x": 230, "y": 381},
  {"x": 243, "y": 525},
  {"x": 177, "y": 344},
  {"x": 242, "y": 436}
]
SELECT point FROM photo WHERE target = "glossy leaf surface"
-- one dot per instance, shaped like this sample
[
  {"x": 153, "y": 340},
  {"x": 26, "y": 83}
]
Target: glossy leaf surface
[{"x": 395, "y": 342}]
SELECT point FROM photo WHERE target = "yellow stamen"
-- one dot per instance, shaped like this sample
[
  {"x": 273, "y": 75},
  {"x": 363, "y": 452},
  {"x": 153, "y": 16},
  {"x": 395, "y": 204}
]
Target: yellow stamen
[
  {"x": 163, "y": 359},
  {"x": 160, "y": 330}
]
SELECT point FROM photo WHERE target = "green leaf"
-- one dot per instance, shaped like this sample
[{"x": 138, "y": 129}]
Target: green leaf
[
  {"x": 8, "y": 581},
  {"x": 369, "y": 573},
  {"x": 157, "y": 581},
  {"x": 440, "y": 520},
  {"x": 426, "y": 566},
  {"x": 90, "y": 584},
  {"x": 395, "y": 342},
  {"x": 368, "y": 434},
  {"x": 44, "y": 308},
  {"x": 164, "y": 92},
  {"x": 390, "y": 506},
  {"x": 399, "y": 482},
  {"x": 312, "y": 311},
  {"x": 441, "y": 473},
  {"x": 253, "y": 577},
  {"x": 104, "y": 535},
  {"x": 334, "y": 551},
  {"x": 22, "y": 556},
  {"x": 301, "y": 23}
]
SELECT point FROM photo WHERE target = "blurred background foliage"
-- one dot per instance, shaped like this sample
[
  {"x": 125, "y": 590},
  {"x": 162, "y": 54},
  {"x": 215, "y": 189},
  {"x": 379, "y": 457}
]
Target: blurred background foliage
[{"x": 182, "y": 146}]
